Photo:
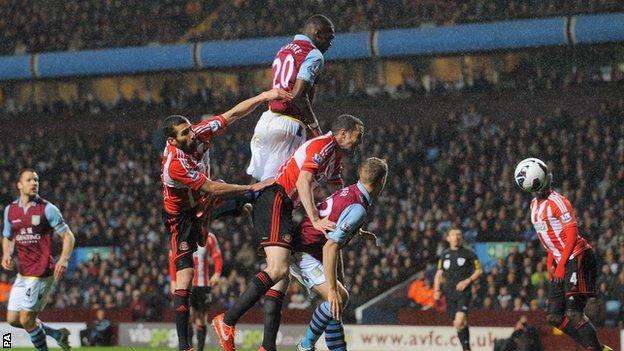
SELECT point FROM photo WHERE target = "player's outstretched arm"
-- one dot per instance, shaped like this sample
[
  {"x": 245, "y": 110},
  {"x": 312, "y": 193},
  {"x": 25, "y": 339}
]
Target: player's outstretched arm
[
  {"x": 7, "y": 252},
  {"x": 68, "y": 247},
  {"x": 246, "y": 107},
  {"x": 330, "y": 266},
  {"x": 301, "y": 98},
  {"x": 219, "y": 188}
]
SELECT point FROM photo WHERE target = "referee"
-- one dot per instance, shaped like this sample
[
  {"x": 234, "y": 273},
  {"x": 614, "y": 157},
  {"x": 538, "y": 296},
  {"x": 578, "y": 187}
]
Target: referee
[{"x": 458, "y": 267}]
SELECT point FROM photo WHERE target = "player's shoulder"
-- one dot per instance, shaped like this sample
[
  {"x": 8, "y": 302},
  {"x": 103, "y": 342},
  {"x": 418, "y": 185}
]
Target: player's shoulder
[
  {"x": 467, "y": 250},
  {"x": 559, "y": 200}
]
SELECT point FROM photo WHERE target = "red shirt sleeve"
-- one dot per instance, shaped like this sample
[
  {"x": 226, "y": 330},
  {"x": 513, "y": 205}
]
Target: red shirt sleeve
[
  {"x": 562, "y": 209},
  {"x": 215, "y": 253},
  {"x": 313, "y": 157},
  {"x": 205, "y": 130},
  {"x": 180, "y": 171}
]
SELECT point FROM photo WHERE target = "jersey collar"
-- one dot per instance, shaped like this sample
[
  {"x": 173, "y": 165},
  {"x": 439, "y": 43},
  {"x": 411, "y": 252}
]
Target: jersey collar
[
  {"x": 304, "y": 38},
  {"x": 364, "y": 192},
  {"x": 30, "y": 203}
]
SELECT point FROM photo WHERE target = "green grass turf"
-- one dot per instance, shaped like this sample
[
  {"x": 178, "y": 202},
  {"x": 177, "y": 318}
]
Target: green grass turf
[{"x": 119, "y": 348}]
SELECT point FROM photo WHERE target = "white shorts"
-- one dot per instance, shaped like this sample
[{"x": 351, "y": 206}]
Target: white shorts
[
  {"x": 307, "y": 270},
  {"x": 30, "y": 293},
  {"x": 275, "y": 139}
]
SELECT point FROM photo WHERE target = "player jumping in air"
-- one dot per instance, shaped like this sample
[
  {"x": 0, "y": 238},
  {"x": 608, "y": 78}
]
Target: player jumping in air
[
  {"x": 458, "y": 267},
  {"x": 570, "y": 261},
  {"x": 30, "y": 222},
  {"x": 283, "y": 128},
  {"x": 186, "y": 188},
  {"x": 315, "y": 162},
  {"x": 316, "y": 261}
]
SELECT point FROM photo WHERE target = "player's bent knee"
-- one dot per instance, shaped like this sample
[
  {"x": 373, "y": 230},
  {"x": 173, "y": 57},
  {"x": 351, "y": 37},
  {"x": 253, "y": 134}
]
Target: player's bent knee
[
  {"x": 27, "y": 321},
  {"x": 554, "y": 319}
]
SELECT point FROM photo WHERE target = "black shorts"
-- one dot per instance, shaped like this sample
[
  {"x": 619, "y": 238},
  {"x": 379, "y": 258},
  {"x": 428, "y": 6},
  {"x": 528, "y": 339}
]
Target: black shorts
[
  {"x": 201, "y": 297},
  {"x": 272, "y": 217},
  {"x": 579, "y": 284},
  {"x": 184, "y": 233},
  {"x": 457, "y": 301}
]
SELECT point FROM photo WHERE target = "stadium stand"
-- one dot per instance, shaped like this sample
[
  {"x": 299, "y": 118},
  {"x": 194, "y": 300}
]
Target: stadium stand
[
  {"x": 103, "y": 171},
  {"x": 45, "y": 26}
]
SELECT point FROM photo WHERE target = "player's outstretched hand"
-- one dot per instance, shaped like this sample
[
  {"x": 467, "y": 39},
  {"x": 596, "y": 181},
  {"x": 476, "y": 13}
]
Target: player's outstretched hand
[
  {"x": 335, "y": 304},
  {"x": 277, "y": 94},
  {"x": 7, "y": 263},
  {"x": 324, "y": 225},
  {"x": 263, "y": 184},
  {"x": 60, "y": 269}
]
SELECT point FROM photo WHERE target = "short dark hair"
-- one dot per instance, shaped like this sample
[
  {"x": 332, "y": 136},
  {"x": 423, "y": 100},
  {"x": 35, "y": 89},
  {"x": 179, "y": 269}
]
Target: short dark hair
[
  {"x": 24, "y": 170},
  {"x": 318, "y": 21},
  {"x": 346, "y": 122},
  {"x": 171, "y": 122}
]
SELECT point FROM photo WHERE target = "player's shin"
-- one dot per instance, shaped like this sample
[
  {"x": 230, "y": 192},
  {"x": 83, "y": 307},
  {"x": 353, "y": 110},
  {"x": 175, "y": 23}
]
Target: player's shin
[
  {"x": 182, "y": 316},
  {"x": 260, "y": 284},
  {"x": 201, "y": 337},
  {"x": 38, "y": 338},
  {"x": 334, "y": 336},
  {"x": 318, "y": 324},
  {"x": 587, "y": 334},
  {"x": 272, "y": 316},
  {"x": 463, "y": 334}
]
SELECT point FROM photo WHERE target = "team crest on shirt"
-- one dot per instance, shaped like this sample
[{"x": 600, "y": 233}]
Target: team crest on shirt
[
  {"x": 287, "y": 238},
  {"x": 446, "y": 264},
  {"x": 35, "y": 220},
  {"x": 461, "y": 261},
  {"x": 184, "y": 246},
  {"x": 317, "y": 159}
]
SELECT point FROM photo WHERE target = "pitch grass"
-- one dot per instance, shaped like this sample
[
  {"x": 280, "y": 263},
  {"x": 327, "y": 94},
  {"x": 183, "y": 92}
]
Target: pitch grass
[{"x": 120, "y": 348}]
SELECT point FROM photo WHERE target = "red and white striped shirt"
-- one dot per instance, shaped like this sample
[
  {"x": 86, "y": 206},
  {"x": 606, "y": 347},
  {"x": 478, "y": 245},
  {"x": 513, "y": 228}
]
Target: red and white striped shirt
[
  {"x": 320, "y": 156},
  {"x": 202, "y": 259},
  {"x": 184, "y": 174},
  {"x": 550, "y": 216}
]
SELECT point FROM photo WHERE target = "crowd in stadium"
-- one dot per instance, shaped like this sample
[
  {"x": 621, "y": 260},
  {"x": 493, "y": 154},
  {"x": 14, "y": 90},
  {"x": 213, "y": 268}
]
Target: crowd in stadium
[
  {"x": 46, "y": 26},
  {"x": 462, "y": 178}
]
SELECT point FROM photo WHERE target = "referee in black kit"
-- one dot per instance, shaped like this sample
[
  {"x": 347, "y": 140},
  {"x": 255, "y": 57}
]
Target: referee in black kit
[{"x": 458, "y": 267}]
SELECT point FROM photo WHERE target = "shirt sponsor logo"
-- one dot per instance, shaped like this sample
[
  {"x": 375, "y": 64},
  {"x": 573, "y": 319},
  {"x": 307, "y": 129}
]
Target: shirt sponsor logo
[
  {"x": 540, "y": 226},
  {"x": 35, "y": 220},
  {"x": 16, "y": 221}
]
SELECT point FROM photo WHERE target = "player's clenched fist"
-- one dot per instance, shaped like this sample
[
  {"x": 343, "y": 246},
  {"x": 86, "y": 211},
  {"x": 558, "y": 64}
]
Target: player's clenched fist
[
  {"x": 59, "y": 269},
  {"x": 7, "y": 263}
]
